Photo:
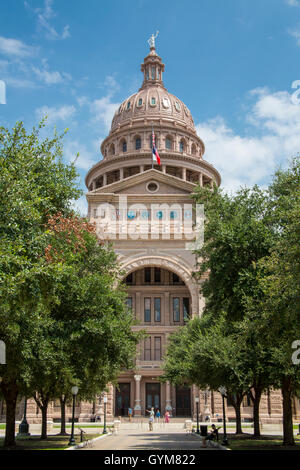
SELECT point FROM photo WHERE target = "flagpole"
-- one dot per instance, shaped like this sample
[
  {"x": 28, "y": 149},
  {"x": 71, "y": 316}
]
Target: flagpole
[{"x": 152, "y": 146}]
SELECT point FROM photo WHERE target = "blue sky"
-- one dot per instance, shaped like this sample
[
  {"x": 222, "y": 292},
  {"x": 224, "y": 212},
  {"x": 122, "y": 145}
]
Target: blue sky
[{"x": 233, "y": 62}]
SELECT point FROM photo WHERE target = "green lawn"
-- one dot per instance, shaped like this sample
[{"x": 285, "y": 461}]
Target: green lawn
[
  {"x": 51, "y": 443},
  {"x": 247, "y": 442}
]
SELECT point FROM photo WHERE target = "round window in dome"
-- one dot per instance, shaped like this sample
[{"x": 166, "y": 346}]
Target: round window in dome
[
  {"x": 177, "y": 106},
  {"x": 166, "y": 103},
  {"x": 152, "y": 187}
]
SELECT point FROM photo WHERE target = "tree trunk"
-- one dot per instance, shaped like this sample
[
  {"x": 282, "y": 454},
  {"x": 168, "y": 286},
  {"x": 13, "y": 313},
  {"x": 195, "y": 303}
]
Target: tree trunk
[
  {"x": 256, "y": 401},
  {"x": 63, "y": 417},
  {"x": 10, "y": 393},
  {"x": 238, "y": 417},
  {"x": 236, "y": 400},
  {"x": 44, "y": 410},
  {"x": 288, "y": 433}
]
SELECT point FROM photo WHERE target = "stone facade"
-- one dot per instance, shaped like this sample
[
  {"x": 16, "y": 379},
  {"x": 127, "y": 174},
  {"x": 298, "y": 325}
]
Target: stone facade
[{"x": 145, "y": 210}]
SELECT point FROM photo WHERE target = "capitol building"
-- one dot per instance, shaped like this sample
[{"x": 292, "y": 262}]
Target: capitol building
[
  {"x": 144, "y": 207},
  {"x": 146, "y": 210}
]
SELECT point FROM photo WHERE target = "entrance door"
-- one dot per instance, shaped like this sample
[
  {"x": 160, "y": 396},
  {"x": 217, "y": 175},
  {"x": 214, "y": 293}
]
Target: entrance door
[
  {"x": 152, "y": 396},
  {"x": 183, "y": 401},
  {"x": 122, "y": 399}
]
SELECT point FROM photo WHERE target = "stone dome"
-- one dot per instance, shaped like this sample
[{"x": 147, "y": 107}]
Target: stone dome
[{"x": 153, "y": 100}]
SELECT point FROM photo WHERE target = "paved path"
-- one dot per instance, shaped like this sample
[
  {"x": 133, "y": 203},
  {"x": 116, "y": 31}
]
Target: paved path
[{"x": 133, "y": 439}]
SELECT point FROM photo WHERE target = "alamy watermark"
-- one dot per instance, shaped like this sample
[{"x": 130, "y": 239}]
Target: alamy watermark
[
  {"x": 143, "y": 222},
  {"x": 2, "y": 92},
  {"x": 296, "y": 354},
  {"x": 2, "y": 352}
]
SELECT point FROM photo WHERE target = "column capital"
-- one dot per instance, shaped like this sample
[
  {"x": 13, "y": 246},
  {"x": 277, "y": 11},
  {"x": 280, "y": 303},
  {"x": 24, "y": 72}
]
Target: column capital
[{"x": 137, "y": 378}]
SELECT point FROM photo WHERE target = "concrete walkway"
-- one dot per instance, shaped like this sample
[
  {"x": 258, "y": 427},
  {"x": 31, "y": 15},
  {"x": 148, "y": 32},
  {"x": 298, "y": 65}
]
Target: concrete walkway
[{"x": 149, "y": 440}]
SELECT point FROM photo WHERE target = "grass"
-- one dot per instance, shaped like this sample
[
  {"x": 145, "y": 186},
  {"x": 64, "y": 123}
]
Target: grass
[
  {"x": 248, "y": 442},
  {"x": 51, "y": 443}
]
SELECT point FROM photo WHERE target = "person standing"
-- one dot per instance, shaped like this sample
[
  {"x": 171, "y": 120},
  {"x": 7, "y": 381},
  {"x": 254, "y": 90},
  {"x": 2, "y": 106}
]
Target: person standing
[{"x": 167, "y": 417}]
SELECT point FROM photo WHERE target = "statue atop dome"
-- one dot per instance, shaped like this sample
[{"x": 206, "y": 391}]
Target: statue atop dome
[{"x": 151, "y": 40}]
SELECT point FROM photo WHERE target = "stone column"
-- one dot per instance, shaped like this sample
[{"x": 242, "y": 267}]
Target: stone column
[
  {"x": 167, "y": 308},
  {"x": 164, "y": 168},
  {"x": 105, "y": 179},
  {"x": 121, "y": 173},
  {"x": 184, "y": 174},
  {"x": 137, "y": 402},
  {"x": 201, "y": 179},
  {"x": 168, "y": 397}
]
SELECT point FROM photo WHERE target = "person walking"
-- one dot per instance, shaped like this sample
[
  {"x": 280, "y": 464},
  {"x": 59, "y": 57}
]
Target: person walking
[
  {"x": 151, "y": 418},
  {"x": 167, "y": 417},
  {"x": 157, "y": 415}
]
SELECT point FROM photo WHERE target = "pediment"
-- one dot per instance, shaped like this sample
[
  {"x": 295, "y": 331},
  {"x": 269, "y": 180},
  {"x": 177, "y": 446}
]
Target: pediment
[{"x": 138, "y": 184}]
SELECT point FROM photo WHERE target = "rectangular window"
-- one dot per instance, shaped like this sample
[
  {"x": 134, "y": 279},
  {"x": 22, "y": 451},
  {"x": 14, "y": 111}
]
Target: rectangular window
[
  {"x": 157, "y": 348},
  {"x": 129, "y": 303},
  {"x": 153, "y": 73},
  {"x": 157, "y": 309},
  {"x": 147, "y": 349},
  {"x": 147, "y": 309},
  {"x": 147, "y": 275},
  {"x": 175, "y": 278},
  {"x": 157, "y": 274},
  {"x": 186, "y": 308},
  {"x": 176, "y": 309}
]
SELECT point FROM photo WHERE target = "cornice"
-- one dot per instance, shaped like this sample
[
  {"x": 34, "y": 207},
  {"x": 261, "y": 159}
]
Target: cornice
[{"x": 132, "y": 158}]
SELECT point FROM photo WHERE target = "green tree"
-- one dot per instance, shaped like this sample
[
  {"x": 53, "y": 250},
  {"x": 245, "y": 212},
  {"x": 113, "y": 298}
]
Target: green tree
[
  {"x": 278, "y": 297},
  {"x": 34, "y": 183},
  {"x": 237, "y": 234}
]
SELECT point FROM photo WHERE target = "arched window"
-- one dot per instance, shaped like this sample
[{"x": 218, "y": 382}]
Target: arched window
[
  {"x": 123, "y": 146},
  {"x": 140, "y": 102},
  {"x": 168, "y": 143},
  {"x": 112, "y": 149},
  {"x": 182, "y": 146},
  {"x": 153, "y": 101},
  {"x": 138, "y": 143},
  {"x": 194, "y": 149}
]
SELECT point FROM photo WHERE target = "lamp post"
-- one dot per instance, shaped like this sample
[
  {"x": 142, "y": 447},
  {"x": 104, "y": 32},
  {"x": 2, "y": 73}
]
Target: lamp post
[
  {"x": 24, "y": 426},
  {"x": 104, "y": 426},
  {"x": 197, "y": 411},
  {"x": 74, "y": 391},
  {"x": 223, "y": 391}
]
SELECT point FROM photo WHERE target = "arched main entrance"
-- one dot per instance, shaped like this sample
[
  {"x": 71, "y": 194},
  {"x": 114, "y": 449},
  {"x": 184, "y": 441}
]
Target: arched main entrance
[{"x": 161, "y": 295}]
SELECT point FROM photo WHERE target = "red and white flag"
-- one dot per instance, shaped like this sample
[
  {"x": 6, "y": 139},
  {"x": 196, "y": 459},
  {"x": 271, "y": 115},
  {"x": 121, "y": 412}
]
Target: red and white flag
[{"x": 155, "y": 156}]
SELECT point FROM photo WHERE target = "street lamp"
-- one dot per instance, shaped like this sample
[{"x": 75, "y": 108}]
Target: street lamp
[
  {"x": 104, "y": 426},
  {"x": 223, "y": 391},
  {"x": 24, "y": 426},
  {"x": 197, "y": 411},
  {"x": 74, "y": 391}
]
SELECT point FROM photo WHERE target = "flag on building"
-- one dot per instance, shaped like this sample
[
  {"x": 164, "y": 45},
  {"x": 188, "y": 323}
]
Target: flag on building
[{"x": 155, "y": 156}]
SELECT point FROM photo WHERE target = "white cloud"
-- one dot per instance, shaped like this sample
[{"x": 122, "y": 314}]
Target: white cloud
[
  {"x": 81, "y": 206},
  {"x": 249, "y": 160},
  {"x": 103, "y": 110},
  {"x": 62, "y": 113},
  {"x": 16, "y": 48},
  {"x": 295, "y": 33},
  {"x": 85, "y": 160},
  {"x": 293, "y": 3},
  {"x": 44, "y": 16}
]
